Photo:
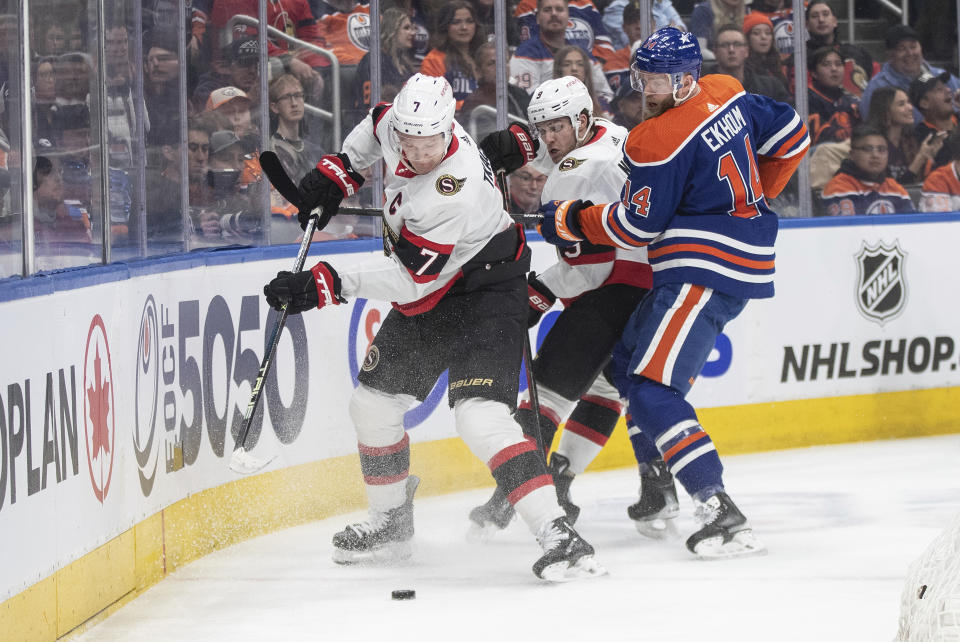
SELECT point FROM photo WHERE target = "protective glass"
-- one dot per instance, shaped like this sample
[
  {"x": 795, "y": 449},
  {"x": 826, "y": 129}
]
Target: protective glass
[{"x": 650, "y": 83}]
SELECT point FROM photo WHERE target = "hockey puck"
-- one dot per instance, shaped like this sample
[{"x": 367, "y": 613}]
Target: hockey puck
[{"x": 403, "y": 594}]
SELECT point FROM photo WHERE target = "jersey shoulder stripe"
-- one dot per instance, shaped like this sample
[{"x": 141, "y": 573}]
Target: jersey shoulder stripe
[{"x": 675, "y": 128}]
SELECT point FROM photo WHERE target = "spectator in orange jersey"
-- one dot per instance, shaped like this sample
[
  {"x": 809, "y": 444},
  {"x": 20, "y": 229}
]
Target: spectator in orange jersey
[
  {"x": 457, "y": 39},
  {"x": 345, "y": 26},
  {"x": 941, "y": 190},
  {"x": 863, "y": 185},
  {"x": 833, "y": 110}
]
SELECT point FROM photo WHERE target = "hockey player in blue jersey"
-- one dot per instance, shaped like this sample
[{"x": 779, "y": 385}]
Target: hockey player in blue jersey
[{"x": 701, "y": 168}]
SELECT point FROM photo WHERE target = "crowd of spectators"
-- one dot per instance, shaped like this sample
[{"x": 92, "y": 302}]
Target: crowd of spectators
[{"x": 881, "y": 125}]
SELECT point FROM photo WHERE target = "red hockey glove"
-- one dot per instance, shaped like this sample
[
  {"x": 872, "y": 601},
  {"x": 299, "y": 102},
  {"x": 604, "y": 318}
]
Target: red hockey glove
[
  {"x": 305, "y": 290},
  {"x": 509, "y": 149},
  {"x": 540, "y": 297},
  {"x": 333, "y": 180}
]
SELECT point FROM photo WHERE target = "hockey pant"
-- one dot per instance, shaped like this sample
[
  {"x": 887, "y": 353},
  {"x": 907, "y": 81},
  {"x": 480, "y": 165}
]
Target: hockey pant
[
  {"x": 487, "y": 428},
  {"x": 665, "y": 345}
]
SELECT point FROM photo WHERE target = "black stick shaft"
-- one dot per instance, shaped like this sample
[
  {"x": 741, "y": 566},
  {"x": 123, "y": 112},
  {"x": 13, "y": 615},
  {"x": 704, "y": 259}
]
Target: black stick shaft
[
  {"x": 275, "y": 337},
  {"x": 527, "y": 351}
]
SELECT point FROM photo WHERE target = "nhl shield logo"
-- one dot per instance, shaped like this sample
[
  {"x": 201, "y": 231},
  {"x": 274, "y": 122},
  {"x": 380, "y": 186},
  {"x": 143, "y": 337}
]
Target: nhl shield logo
[{"x": 881, "y": 287}]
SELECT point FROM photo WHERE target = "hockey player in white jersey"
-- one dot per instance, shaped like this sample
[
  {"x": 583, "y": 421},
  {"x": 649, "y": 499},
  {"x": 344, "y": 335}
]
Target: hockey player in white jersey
[
  {"x": 455, "y": 277},
  {"x": 600, "y": 287}
]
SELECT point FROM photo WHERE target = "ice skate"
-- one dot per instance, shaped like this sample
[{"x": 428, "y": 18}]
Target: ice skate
[
  {"x": 655, "y": 512},
  {"x": 487, "y": 519},
  {"x": 566, "y": 555},
  {"x": 383, "y": 539},
  {"x": 725, "y": 532},
  {"x": 562, "y": 479}
]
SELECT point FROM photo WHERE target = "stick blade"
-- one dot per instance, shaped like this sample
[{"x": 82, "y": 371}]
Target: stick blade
[
  {"x": 243, "y": 463},
  {"x": 278, "y": 177}
]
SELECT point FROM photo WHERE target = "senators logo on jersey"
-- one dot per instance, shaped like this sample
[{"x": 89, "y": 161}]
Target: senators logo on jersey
[
  {"x": 449, "y": 185},
  {"x": 570, "y": 162}
]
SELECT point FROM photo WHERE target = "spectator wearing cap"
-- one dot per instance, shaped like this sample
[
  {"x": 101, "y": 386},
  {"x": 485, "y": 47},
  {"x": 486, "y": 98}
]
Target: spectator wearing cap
[
  {"x": 904, "y": 64},
  {"x": 762, "y": 57},
  {"x": 941, "y": 190},
  {"x": 627, "y": 106},
  {"x": 662, "y": 14},
  {"x": 290, "y": 16},
  {"x": 731, "y": 57},
  {"x": 833, "y": 110},
  {"x": 780, "y": 14},
  {"x": 231, "y": 105},
  {"x": 937, "y": 105},
  {"x": 709, "y": 16},
  {"x": 824, "y": 32},
  {"x": 232, "y": 214},
  {"x": 863, "y": 185}
]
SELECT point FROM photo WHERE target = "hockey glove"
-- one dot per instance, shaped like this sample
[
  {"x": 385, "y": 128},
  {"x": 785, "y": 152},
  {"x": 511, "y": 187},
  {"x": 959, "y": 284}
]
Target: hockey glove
[
  {"x": 305, "y": 290},
  {"x": 540, "y": 297},
  {"x": 333, "y": 180},
  {"x": 561, "y": 226},
  {"x": 509, "y": 149}
]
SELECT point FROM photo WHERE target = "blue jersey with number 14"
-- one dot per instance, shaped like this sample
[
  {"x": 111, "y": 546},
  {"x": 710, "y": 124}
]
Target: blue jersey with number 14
[{"x": 699, "y": 177}]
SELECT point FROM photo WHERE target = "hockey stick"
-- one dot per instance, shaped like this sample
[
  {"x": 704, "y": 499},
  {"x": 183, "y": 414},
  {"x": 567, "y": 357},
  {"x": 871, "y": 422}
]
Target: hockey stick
[
  {"x": 242, "y": 461},
  {"x": 279, "y": 178},
  {"x": 527, "y": 352}
]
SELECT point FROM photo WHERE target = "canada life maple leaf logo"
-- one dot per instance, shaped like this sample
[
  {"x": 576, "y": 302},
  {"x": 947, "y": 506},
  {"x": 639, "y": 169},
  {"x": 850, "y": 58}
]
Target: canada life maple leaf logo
[
  {"x": 99, "y": 416},
  {"x": 98, "y": 396}
]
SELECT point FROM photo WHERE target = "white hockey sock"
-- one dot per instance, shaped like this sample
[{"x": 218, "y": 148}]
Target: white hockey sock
[
  {"x": 383, "y": 497},
  {"x": 579, "y": 450},
  {"x": 539, "y": 507}
]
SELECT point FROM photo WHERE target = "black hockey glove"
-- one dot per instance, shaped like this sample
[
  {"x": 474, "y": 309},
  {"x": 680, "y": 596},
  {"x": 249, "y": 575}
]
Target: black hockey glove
[
  {"x": 509, "y": 149},
  {"x": 316, "y": 288},
  {"x": 333, "y": 180},
  {"x": 540, "y": 297}
]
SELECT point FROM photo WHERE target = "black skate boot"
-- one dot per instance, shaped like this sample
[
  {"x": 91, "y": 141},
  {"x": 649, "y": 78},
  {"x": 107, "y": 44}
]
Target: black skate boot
[
  {"x": 562, "y": 479},
  {"x": 725, "y": 532},
  {"x": 487, "y": 519},
  {"x": 384, "y": 538},
  {"x": 657, "y": 507},
  {"x": 566, "y": 555}
]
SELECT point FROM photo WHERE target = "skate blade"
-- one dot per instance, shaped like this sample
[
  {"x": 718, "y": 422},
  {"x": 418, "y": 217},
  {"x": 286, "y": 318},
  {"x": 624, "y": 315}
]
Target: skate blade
[
  {"x": 585, "y": 568},
  {"x": 742, "y": 544},
  {"x": 385, "y": 555},
  {"x": 658, "y": 529}
]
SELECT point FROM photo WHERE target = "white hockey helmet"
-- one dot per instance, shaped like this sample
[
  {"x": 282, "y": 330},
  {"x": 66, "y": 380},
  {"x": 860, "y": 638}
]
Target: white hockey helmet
[
  {"x": 559, "y": 97},
  {"x": 424, "y": 107}
]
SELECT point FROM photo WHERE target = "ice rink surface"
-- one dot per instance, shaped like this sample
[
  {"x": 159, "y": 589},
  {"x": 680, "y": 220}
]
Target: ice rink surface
[{"x": 842, "y": 523}]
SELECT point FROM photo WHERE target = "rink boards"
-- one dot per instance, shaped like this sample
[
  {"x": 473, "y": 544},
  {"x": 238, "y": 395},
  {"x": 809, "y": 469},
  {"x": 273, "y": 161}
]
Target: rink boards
[{"x": 122, "y": 388}]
